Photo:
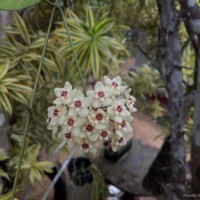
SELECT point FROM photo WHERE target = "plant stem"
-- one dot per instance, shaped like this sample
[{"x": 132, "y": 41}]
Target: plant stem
[
  {"x": 72, "y": 47},
  {"x": 55, "y": 179},
  {"x": 31, "y": 104}
]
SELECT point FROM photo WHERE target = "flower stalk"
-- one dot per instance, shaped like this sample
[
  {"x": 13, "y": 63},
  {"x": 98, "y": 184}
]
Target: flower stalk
[
  {"x": 31, "y": 104},
  {"x": 72, "y": 47}
]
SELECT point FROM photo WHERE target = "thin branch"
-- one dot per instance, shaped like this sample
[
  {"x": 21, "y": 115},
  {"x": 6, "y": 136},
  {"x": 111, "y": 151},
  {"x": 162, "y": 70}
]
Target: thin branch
[
  {"x": 31, "y": 104},
  {"x": 72, "y": 46},
  {"x": 64, "y": 165}
]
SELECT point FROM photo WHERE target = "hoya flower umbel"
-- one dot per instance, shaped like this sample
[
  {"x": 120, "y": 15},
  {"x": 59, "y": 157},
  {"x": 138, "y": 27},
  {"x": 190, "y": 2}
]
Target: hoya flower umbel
[
  {"x": 64, "y": 95},
  {"x": 100, "y": 95},
  {"x": 130, "y": 101},
  {"x": 115, "y": 84},
  {"x": 56, "y": 115}
]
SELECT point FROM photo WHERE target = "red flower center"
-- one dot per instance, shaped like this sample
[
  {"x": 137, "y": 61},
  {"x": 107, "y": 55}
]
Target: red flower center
[
  {"x": 101, "y": 94},
  {"x": 78, "y": 104},
  {"x": 70, "y": 122},
  {"x": 55, "y": 112},
  {"x": 104, "y": 134},
  {"x": 89, "y": 128},
  {"x": 123, "y": 124},
  {"x": 99, "y": 116},
  {"x": 121, "y": 140},
  {"x": 68, "y": 136},
  {"x": 64, "y": 93},
  {"x": 114, "y": 84},
  {"x": 85, "y": 145},
  {"x": 119, "y": 109}
]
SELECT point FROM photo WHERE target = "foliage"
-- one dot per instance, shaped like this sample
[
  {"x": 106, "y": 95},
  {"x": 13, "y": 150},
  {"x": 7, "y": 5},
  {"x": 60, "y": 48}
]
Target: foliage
[
  {"x": 3, "y": 174},
  {"x": 12, "y": 87},
  {"x": 94, "y": 43},
  {"x": 31, "y": 167},
  {"x": 17, "y": 5},
  {"x": 146, "y": 83}
]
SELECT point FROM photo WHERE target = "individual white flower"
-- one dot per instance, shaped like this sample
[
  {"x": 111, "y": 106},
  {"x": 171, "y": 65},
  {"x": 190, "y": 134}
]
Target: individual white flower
[
  {"x": 70, "y": 139},
  {"x": 115, "y": 84},
  {"x": 56, "y": 114},
  {"x": 117, "y": 142},
  {"x": 123, "y": 128},
  {"x": 90, "y": 132},
  {"x": 99, "y": 119},
  {"x": 72, "y": 124},
  {"x": 64, "y": 95},
  {"x": 87, "y": 147},
  {"x": 118, "y": 111},
  {"x": 54, "y": 128},
  {"x": 130, "y": 101},
  {"x": 104, "y": 134},
  {"x": 101, "y": 95},
  {"x": 79, "y": 105}
]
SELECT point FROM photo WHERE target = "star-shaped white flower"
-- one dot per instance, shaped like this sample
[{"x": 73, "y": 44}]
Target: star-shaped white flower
[
  {"x": 64, "y": 95},
  {"x": 79, "y": 105},
  {"x": 99, "y": 119},
  {"x": 123, "y": 128},
  {"x": 118, "y": 111},
  {"x": 90, "y": 132},
  {"x": 115, "y": 84},
  {"x": 56, "y": 115},
  {"x": 130, "y": 101},
  {"x": 117, "y": 142},
  {"x": 72, "y": 124},
  {"x": 100, "y": 95},
  {"x": 105, "y": 134},
  {"x": 87, "y": 147}
]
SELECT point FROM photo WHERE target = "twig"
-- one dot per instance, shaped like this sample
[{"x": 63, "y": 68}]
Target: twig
[
  {"x": 64, "y": 165},
  {"x": 31, "y": 104},
  {"x": 61, "y": 145},
  {"x": 72, "y": 46}
]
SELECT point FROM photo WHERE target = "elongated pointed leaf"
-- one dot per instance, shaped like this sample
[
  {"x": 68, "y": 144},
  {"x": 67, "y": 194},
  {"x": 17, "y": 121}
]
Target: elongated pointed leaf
[
  {"x": 21, "y": 26},
  {"x": 3, "y": 69},
  {"x": 17, "y": 4}
]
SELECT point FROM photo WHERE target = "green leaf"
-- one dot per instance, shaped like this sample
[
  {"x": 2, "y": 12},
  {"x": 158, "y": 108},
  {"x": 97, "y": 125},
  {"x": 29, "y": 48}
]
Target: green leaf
[
  {"x": 22, "y": 28},
  {"x": 4, "y": 174},
  {"x": 3, "y": 69},
  {"x": 17, "y": 4}
]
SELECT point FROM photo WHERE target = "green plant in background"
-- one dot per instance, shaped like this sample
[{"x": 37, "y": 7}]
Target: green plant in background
[
  {"x": 12, "y": 87},
  {"x": 96, "y": 48},
  {"x": 31, "y": 168},
  {"x": 146, "y": 83}
]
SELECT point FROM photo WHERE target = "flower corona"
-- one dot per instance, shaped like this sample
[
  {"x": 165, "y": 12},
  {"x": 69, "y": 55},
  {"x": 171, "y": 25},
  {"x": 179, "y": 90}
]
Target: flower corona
[{"x": 104, "y": 114}]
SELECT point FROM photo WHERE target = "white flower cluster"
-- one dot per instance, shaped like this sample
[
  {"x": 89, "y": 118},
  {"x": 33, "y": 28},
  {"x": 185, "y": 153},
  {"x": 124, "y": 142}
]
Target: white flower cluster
[{"x": 88, "y": 121}]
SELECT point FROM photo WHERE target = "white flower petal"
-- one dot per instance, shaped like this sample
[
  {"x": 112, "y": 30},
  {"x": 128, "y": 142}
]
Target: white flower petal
[
  {"x": 107, "y": 102},
  {"x": 72, "y": 112},
  {"x": 107, "y": 81},
  {"x": 90, "y": 93},
  {"x": 99, "y": 86},
  {"x": 68, "y": 86},
  {"x": 83, "y": 112},
  {"x": 96, "y": 103},
  {"x": 93, "y": 137},
  {"x": 118, "y": 119},
  {"x": 57, "y": 101}
]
